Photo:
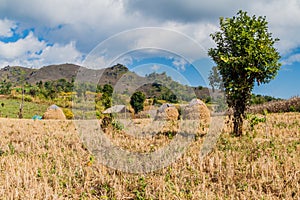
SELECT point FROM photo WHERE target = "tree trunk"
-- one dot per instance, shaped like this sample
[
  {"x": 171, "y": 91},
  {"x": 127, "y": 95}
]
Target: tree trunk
[
  {"x": 21, "y": 105},
  {"x": 237, "y": 124}
]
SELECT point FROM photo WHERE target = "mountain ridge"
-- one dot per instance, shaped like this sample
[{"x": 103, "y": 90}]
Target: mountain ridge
[{"x": 118, "y": 76}]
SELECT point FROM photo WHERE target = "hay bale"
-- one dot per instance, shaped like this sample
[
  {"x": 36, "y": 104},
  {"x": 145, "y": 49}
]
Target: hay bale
[
  {"x": 167, "y": 112},
  {"x": 196, "y": 110},
  {"x": 54, "y": 112}
]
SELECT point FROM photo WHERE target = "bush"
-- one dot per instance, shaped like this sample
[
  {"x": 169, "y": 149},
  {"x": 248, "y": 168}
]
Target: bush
[
  {"x": 292, "y": 109},
  {"x": 117, "y": 125},
  {"x": 137, "y": 101},
  {"x": 68, "y": 113},
  {"x": 106, "y": 121},
  {"x": 28, "y": 98},
  {"x": 254, "y": 120},
  {"x": 290, "y": 105}
]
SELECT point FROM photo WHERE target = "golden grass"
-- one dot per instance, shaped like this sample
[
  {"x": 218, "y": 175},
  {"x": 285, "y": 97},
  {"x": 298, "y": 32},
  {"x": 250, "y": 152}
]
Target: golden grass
[{"x": 46, "y": 160}]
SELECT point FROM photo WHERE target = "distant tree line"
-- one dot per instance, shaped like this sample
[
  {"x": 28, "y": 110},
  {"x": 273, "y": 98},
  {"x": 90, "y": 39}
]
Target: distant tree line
[{"x": 260, "y": 99}]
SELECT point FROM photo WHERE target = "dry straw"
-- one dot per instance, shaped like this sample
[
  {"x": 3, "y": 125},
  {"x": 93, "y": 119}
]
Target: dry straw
[
  {"x": 197, "y": 110},
  {"x": 167, "y": 112},
  {"x": 54, "y": 112},
  {"x": 47, "y": 160},
  {"x": 292, "y": 104}
]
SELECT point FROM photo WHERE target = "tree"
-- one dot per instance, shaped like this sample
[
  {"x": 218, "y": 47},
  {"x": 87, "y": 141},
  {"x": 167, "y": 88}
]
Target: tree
[
  {"x": 108, "y": 89},
  {"x": 245, "y": 54},
  {"x": 215, "y": 80},
  {"x": 137, "y": 101},
  {"x": 106, "y": 98},
  {"x": 22, "y": 81}
]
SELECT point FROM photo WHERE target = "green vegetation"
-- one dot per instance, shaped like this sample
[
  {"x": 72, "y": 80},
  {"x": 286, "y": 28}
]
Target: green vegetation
[
  {"x": 137, "y": 101},
  {"x": 164, "y": 88},
  {"x": 245, "y": 54},
  {"x": 68, "y": 113},
  {"x": 5, "y": 87},
  {"x": 107, "y": 92},
  {"x": 260, "y": 99},
  {"x": 87, "y": 100},
  {"x": 29, "y": 85},
  {"x": 161, "y": 92},
  {"x": 10, "y": 108},
  {"x": 215, "y": 79}
]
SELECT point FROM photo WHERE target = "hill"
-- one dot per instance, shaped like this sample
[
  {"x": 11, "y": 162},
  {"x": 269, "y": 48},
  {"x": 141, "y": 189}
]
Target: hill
[
  {"x": 119, "y": 76},
  {"x": 55, "y": 72}
]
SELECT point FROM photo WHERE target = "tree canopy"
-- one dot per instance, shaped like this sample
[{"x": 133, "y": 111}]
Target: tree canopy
[
  {"x": 137, "y": 101},
  {"x": 214, "y": 78},
  {"x": 244, "y": 54}
]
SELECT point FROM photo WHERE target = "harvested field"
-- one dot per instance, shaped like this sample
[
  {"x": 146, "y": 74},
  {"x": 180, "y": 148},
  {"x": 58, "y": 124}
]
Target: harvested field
[{"x": 47, "y": 160}]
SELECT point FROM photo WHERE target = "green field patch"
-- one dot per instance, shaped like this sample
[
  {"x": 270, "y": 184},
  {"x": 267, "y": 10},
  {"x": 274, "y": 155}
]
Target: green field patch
[{"x": 9, "y": 108}]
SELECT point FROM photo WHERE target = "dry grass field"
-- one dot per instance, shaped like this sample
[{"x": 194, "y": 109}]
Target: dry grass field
[{"x": 47, "y": 160}]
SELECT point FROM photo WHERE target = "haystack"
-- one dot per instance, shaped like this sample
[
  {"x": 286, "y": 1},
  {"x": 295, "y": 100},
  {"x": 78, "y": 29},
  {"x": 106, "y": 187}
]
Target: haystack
[
  {"x": 196, "y": 110},
  {"x": 54, "y": 112},
  {"x": 167, "y": 112}
]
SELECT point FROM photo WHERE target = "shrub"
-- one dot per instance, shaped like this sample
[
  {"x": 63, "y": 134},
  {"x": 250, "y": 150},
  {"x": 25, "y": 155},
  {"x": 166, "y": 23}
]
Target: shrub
[
  {"x": 28, "y": 98},
  {"x": 117, "y": 125},
  {"x": 106, "y": 121},
  {"x": 290, "y": 105},
  {"x": 137, "y": 101},
  {"x": 68, "y": 113},
  {"x": 254, "y": 120}
]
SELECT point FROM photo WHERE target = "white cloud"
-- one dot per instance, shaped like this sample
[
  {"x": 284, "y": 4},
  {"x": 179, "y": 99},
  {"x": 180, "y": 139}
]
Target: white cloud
[
  {"x": 179, "y": 63},
  {"x": 66, "y": 12},
  {"x": 198, "y": 32},
  {"x": 155, "y": 67},
  {"x": 95, "y": 61},
  {"x": 22, "y": 47},
  {"x": 284, "y": 23},
  {"x": 61, "y": 54},
  {"x": 6, "y": 27},
  {"x": 125, "y": 60},
  {"x": 144, "y": 43},
  {"x": 291, "y": 59},
  {"x": 184, "y": 11},
  {"x": 32, "y": 52},
  {"x": 87, "y": 23},
  {"x": 169, "y": 40}
]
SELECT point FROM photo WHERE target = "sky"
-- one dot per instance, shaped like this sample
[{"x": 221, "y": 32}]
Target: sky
[{"x": 146, "y": 36}]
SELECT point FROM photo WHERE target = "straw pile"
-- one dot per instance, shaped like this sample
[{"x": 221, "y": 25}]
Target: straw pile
[
  {"x": 196, "y": 110},
  {"x": 167, "y": 112},
  {"x": 54, "y": 112}
]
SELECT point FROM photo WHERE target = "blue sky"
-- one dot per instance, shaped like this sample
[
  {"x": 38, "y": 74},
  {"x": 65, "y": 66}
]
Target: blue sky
[{"x": 98, "y": 34}]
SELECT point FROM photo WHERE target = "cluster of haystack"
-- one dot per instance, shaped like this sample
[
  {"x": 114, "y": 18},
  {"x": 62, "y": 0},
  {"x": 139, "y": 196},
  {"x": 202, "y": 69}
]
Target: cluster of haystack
[
  {"x": 167, "y": 112},
  {"x": 54, "y": 112}
]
